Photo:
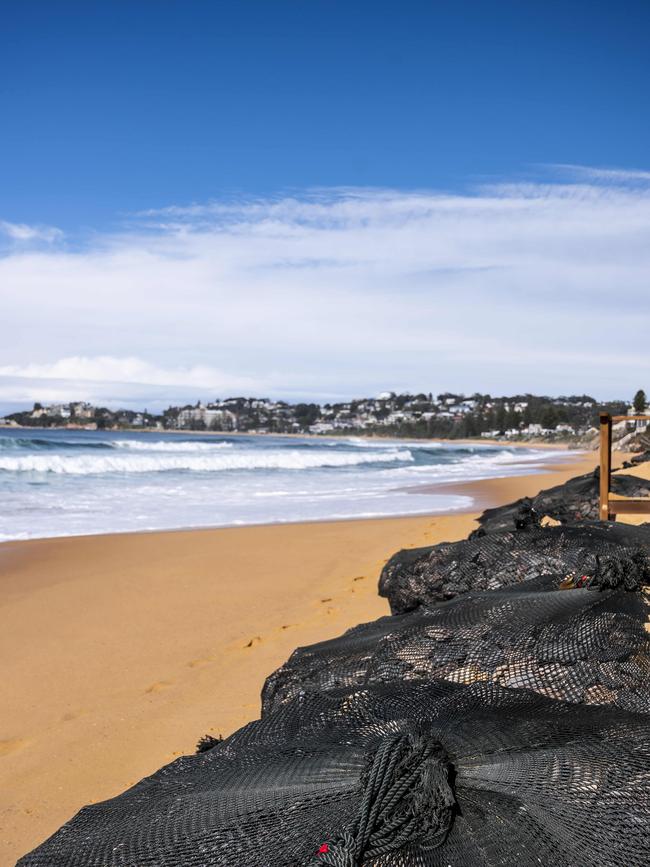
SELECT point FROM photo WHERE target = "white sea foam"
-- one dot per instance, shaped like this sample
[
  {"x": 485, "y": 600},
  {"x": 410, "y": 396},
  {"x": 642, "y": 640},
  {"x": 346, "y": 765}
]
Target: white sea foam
[
  {"x": 280, "y": 459},
  {"x": 68, "y": 483},
  {"x": 169, "y": 446},
  {"x": 476, "y": 466}
]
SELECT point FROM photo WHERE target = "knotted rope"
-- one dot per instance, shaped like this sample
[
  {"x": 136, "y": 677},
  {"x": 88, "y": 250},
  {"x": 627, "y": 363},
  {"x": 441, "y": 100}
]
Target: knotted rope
[
  {"x": 406, "y": 799},
  {"x": 628, "y": 570}
]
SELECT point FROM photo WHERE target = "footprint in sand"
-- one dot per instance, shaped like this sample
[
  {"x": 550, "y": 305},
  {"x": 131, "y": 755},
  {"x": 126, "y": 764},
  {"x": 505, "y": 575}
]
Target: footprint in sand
[
  {"x": 159, "y": 686},
  {"x": 359, "y": 578},
  {"x": 70, "y": 715},
  {"x": 197, "y": 663},
  {"x": 12, "y": 745},
  {"x": 327, "y": 599},
  {"x": 255, "y": 640}
]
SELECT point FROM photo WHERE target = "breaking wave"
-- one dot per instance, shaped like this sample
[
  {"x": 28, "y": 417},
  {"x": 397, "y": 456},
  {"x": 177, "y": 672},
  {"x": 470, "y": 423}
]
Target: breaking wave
[
  {"x": 37, "y": 444},
  {"x": 279, "y": 459},
  {"x": 168, "y": 446}
]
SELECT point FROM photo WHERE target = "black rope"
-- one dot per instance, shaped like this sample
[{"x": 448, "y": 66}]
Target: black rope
[
  {"x": 406, "y": 799},
  {"x": 629, "y": 570}
]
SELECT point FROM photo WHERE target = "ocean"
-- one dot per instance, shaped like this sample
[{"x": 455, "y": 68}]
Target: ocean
[{"x": 66, "y": 482}]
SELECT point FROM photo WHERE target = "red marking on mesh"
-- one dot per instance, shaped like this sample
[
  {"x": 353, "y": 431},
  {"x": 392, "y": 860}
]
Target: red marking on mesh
[{"x": 323, "y": 849}]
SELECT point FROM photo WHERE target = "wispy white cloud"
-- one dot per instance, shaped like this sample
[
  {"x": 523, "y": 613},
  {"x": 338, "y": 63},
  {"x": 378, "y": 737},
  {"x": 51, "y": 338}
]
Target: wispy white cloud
[
  {"x": 105, "y": 368},
  {"x": 24, "y": 233},
  {"x": 106, "y": 379},
  {"x": 508, "y": 288},
  {"x": 594, "y": 173}
]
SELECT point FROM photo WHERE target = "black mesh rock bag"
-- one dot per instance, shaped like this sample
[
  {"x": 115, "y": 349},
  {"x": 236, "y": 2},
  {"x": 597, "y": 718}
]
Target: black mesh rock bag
[
  {"x": 607, "y": 553},
  {"x": 575, "y": 500},
  {"x": 399, "y": 776},
  {"x": 574, "y": 645}
]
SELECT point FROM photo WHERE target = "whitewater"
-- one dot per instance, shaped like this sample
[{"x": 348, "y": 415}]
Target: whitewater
[{"x": 60, "y": 482}]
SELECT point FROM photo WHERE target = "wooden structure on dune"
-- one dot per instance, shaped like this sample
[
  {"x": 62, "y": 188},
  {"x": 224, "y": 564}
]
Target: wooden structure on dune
[{"x": 609, "y": 508}]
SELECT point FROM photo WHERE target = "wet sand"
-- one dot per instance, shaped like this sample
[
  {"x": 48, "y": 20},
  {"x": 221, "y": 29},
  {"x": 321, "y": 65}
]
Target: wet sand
[{"x": 118, "y": 652}]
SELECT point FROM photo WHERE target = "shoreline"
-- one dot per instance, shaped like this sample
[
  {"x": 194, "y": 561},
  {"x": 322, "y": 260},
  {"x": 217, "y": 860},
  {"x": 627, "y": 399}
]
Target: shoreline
[
  {"x": 451, "y": 488},
  {"x": 472, "y": 488},
  {"x": 121, "y": 650}
]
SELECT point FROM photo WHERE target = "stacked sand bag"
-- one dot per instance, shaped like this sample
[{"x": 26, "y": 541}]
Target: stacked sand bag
[{"x": 499, "y": 717}]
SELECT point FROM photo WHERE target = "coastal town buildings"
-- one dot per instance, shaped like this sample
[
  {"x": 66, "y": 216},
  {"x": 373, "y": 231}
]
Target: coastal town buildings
[{"x": 447, "y": 415}]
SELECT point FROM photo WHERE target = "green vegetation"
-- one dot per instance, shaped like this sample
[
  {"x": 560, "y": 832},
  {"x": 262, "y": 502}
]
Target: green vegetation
[{"x": 639, "y": 402}]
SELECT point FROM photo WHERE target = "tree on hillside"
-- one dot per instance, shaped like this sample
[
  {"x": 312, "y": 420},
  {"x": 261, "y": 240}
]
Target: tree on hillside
[
  {"x": 639, "y": 402},
  {"x": 307, "y": 414},
  {"x": 549, "y": 417}
]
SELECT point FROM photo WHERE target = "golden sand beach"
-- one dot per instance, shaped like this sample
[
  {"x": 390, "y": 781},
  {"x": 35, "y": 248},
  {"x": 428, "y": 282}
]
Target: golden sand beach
[{"x": 118, "y": 652}]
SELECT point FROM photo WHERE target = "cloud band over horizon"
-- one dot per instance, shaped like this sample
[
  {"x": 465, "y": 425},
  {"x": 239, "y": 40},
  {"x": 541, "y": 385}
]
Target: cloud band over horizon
[{"x": 514, "y": 287}]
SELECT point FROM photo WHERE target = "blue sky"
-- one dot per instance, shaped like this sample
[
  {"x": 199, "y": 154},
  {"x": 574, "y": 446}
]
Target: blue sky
[
  {"x": 220, "y": 120},
  {"x": 120, "y": 106}
]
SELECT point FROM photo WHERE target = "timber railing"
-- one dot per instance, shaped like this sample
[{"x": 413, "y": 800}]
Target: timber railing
[{"x": 609, "y": 508}]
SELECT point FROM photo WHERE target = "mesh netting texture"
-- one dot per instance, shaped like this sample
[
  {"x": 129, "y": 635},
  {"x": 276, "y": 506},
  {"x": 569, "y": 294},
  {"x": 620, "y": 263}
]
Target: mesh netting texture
[
  {"x": 574, "y": 645},
  {"x": 604, "y": 553},
  {"x": 570, "y": 502},
  {"x": 502, "y": 719},
  {"x": 389, "y": 776}
]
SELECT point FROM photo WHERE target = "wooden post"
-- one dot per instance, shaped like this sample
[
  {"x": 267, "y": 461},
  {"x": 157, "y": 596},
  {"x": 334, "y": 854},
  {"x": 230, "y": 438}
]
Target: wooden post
[{"x": 605, "y": 463}]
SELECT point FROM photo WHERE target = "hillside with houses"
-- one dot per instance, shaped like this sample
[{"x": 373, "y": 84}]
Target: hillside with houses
[{"x": 447, "y": 415}]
